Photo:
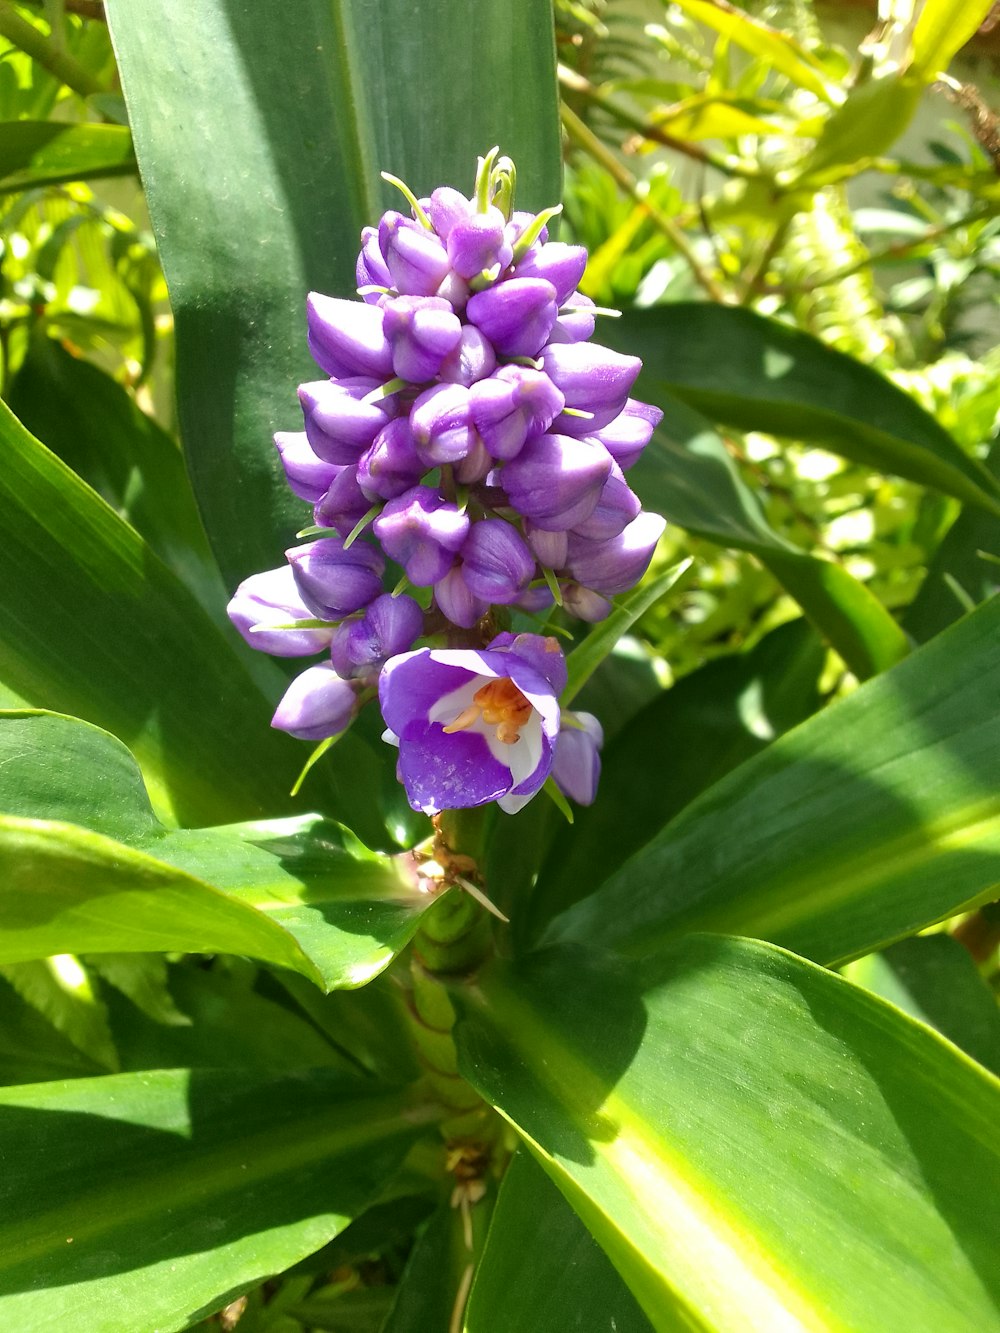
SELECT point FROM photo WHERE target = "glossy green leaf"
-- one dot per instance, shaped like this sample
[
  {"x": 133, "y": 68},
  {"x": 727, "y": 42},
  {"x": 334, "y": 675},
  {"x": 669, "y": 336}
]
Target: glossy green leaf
[
  {"x": 755, "y": 1143},
  {"x": 143, "y": 978},
  {"x": 933, "y": 978},
  {"x": 97, "y": 626},
  {"x": 283, "y": 118},
  {"x": 148, "y": 1200},
  {"x": 45, "y": 152},
  {"x": 95, "y": 427},
  {"x": 744, "y": 370},
  {"x": 31, "y": 1050},
  {"x": 542, "y": 1269},
  {"x": 876, "y": 817},
  {"x": 674, "y": 748},
  {"x": 942, "y": 29},
  {"x": 62, "y": 992},
  {"x": 687, "y": 475},
  {"x": 294, "y": 892}
]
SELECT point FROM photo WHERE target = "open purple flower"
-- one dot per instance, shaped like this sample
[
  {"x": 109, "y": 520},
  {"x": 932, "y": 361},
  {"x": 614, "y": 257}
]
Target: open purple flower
[{"x": 471, "y": 726}]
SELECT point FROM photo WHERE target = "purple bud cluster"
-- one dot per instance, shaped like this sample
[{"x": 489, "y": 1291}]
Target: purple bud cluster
[{"x": 469, "y": 431}]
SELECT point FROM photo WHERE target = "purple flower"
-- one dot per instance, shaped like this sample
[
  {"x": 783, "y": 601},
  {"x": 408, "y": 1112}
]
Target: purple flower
[
  {"x": 575, "y": 323},
  {"x": 422, "y": 331},
  {"x": 584, "y": 604},
  {"x": 272, "y": 598},
  {"x": 577, "y": 764},
  {"x": 422, "y": 531},
  {"x": 339, "y": 423},
  {"x": 456, "y": 602},
  {"x": 344, "y": 503},
  {"x": 415, "y": 258},
  {"x": 512, "y": 405},
  {"x": 477, "y": 244},
  {"x": 473, "y": 359},
  {"x": 561, "y": 265},
  {"x": 617, "y": 507},
  {"x": 391, "y": 466},
  {"x": 592, "y": 379},
  {"x": 516, "y": 315},
  {"x": 346, "y": 338},
  {"x": 445, "y": 208},
  {"x": 371, "y": 269},
  {"x": 630, "y": 432},
  {"x": 389, "y": 626},
  {"x": 496, "y": 563},
  {"x": 309, "y": 476},
  {"x": 471, "y": 727},
  {"x": 317, "y": 704},
  {"x": 556, "y": 481},
  {"x": 333, "y": 582},
  {"x": 441, "y": 421},
  {"x": 615, "y": 565}
]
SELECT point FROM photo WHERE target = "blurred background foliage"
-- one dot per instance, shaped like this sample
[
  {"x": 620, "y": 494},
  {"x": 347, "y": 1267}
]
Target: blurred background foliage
[{"x": 708, "y": 157}]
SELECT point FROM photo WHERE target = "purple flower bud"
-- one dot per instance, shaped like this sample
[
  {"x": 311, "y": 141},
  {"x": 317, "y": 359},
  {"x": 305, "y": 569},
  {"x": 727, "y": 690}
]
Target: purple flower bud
[
  {"x": 415, "y": 258},
  {"x": 575, "y": 323},
  {"x": 496, "y": 563},
  {"x": 516, "y": 315},
  {"x": 534, "y": 600},
  {"x": 560, "y": 264},
  {"x": 441, "y": 421},
  {"x": 584, "y": 604},
  {"x": 422, "y": 531},
  {"x": 339, "y": 424},
  {"x": 512, "y": 405},
  {"x": 308, "y": 475},
  {"x": 391, "y": 465},
  {"x": 592, "y": 379},
  {"x": 344, "y": 503},
  {"x": 473, "y": 359},
  {"x": 576, "y": 767},
  {"x": 556, "y": 481},
  {"x": 446, "y": 207},
  {"x": 518, "y": 224},
  {"x": 422, "y": 331},
  {"x": 389, "y": 626},
  {"x": 454, "y": 290},
  {"x": 475, "y": 467},
  {"x": 271, "y": 598},
  {"x": 333, "y": 582},
  {"x": 346, "y": 338},
  {"x": 550, "y": 548},
  {"x": 455, "y": 602},
  {"x": 371, "y": 269},
  {"x": 630, "y": 432},
  {"x": 614, "y": 511},
  {"x": 316, "y": 705},
  {"x": 615, "y": 565},
  {"x": 477, "y": 243}
]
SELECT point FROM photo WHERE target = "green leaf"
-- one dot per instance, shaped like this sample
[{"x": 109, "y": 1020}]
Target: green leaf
[
  {"x": 687, "y": 475},
  {"x": 754, "y": 1142},
  {"x": 744, "y": 370},
  {"x": 44, "y": 152},
  {"x": 294, "y": 893},
  {"x": 62, "y": 992},
  {"x": 942, "y": 29},
  {"x": 318, "y": 100},
  {"x": 588, "y": 655},
  {"x": 933, "y": 978},
  {"x": 869, "y": 821},
  {"x": 148, "y": 1200},
  {"x": 561, "y": 1282},
  {"x": 96, "y": 428},
  {"x": 876, "y": 113},
  {"x": 435, "y": 1283},
  {"x": 143, "y": 979},
  {"x": 674, "y": 748},
  {"x": 96, "y": 625},
  {"x": 31, "y": 1050}
]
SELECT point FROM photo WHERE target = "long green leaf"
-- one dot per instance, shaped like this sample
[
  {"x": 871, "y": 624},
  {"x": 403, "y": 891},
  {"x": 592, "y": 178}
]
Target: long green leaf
[
  {"x": 145, "y": 1201},
  {"x": 755, "y": 1143},
  {"x": 44, "y": 152},
  {"x": 744, "y": 370},
  {"x": 260, "y": 143},
  {"x": 942, "y": 29},
  {"x": 290, "y": 892},
  {"x": 867, "y": 822}
]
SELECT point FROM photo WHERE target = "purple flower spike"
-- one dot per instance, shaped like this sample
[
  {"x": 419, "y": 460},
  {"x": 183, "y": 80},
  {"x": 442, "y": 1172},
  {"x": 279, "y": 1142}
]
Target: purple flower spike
[
  {"x": 516, "y": 315},
  {"x": 512, "y": 405},
  {"x": 630, "y": 432},
  {"x": 344, "y": 503},
  {"x": 333, "y": 582},
  {"x": 441, "y": 421},
  {"x": 308, "y": 475},
  {"x": 455, "y": 602},
  {"x": 614, "y": 511},
  {"x": 371, "y": 269},
  {"x": 592, "y": 379},
  {"x": 577, "y": 764},
  {"x": 271, "y": 598},
  {"x": 339, "y": 424},
  {"x": 316, "y": 705},
  {"x": 556, "y": 481},
  {"x": 346, "y": 338},
  {"x": 575, "y": 323},
  {"x": 391, "y": 466},
  {"x": 422, "y": 531},
  {"x": 496, "y": 563},
  {"x": 415, "y": 258},
  {"x": 560, "y": 264},
  {"x": 471, "y": 727},
  {"x": 477, "y": 244},
  {"x": 422, "y": 331},
  {"x": 473, "y": 359},
  {"x": 616, "y": 565},
  {"x": 445, "y": 208},
  {"x": 389, "y": 626}
]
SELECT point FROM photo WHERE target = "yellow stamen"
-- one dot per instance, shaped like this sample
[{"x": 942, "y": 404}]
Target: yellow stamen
[{"x": 500, "y": 704}]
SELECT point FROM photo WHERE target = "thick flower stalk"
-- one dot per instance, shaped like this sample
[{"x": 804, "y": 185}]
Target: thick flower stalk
[{"x": 465, "y": 458}]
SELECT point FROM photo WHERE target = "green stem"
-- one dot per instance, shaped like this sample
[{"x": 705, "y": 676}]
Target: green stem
[{"x": 44, "y": 52}]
